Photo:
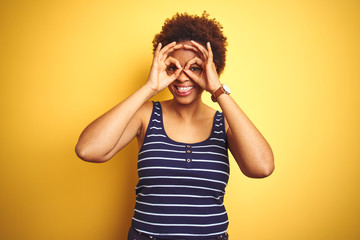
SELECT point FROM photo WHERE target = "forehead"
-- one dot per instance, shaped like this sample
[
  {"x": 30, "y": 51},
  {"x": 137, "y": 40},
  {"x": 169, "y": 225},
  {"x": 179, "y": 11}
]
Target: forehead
[{"x": 183, "y": 55}]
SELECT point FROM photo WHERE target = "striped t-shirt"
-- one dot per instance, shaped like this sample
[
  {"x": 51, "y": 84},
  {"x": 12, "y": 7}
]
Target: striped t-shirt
[{"x": 181, "y": 186}]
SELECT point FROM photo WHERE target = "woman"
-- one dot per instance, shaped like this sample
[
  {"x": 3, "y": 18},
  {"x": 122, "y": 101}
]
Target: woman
[{"x": 183, "y": 162}]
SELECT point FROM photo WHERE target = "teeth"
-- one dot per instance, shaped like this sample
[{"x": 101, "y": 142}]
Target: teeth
[{"x": 184, "y": 89}]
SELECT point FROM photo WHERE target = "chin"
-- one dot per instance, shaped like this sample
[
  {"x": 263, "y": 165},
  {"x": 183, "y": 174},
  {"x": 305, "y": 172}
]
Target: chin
[{"x": 184, "y": 101}]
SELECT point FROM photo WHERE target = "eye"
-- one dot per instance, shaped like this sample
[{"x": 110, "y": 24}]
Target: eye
[
  {"x": 195, "y": 68},
  {"x": 171, "y": 68}
]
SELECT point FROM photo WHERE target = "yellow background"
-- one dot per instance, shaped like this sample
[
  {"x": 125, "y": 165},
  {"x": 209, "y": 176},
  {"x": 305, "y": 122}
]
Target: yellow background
[{"x": 293, "y": 67}]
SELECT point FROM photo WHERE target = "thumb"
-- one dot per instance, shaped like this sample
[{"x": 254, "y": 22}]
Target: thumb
[
  {"x": 177, "y": 73},
  {"x": 173, "y": 76},
  {"x": 193, "y": 76}
]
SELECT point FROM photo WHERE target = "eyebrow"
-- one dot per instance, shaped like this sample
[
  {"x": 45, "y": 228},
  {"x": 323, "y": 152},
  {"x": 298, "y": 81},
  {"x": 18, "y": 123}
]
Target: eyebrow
[{"x": 194, "y": 64}]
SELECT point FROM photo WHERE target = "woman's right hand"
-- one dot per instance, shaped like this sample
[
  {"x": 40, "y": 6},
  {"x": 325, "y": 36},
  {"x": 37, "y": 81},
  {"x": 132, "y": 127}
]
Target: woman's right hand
[
  {"x": 158, "y": 78},
  {"x": 113, "y": 130}
]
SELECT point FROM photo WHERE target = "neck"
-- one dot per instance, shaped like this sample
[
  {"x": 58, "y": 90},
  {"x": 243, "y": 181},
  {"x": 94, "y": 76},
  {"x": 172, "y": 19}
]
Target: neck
[{"x": 187, "y": 111}]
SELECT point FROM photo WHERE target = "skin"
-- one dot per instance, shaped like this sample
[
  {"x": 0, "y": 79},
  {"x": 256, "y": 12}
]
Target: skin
[{"x": 186, "y": 118}]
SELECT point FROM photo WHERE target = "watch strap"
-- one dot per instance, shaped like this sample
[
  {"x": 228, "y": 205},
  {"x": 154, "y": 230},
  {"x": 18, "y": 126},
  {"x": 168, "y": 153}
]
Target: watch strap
[{"x": 217, "y": 93}]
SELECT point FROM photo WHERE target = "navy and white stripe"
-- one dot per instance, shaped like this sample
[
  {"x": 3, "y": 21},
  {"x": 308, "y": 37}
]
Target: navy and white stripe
[{"x": 181, "y": 186}]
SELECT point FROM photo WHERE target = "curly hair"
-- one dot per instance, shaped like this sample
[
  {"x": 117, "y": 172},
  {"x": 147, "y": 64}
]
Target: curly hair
[{"x": 185, "y": 27}]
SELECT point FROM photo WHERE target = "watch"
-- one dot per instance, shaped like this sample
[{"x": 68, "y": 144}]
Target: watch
[{"x": 223, "y": 89}]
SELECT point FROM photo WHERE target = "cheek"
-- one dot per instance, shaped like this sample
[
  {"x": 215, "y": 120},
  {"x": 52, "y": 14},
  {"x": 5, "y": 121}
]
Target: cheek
[
  {"x": 197, "y": 85},
  {"x": 171, "y": 89},
  {"x": 200, "y": 89},
  {"x": 169, "y": 72},
  {"x": 198, "y": 73}
]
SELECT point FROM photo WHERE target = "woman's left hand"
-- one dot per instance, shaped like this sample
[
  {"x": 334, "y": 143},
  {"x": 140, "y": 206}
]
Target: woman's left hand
[{"x": 208, "y": 79}]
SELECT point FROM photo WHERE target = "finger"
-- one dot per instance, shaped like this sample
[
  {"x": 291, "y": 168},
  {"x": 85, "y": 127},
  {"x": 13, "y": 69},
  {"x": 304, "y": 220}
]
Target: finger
[
  {"x": 176, "y": 74},
  {"x": 196, "y": 78},
  {"x": 173, "y": 77},
  {"x": 171, "y": 60},
  {"x": 201, "y": 48},
  {"x": 170, "y": 50},
  {"x": 173, "y": 48},
  {"x": 194, "y": 49},
  {"x": 211, "y": 55},
  {"x": 157, "y": 50},
  {"x": 156, "y": 53},
  {"x": 191, "y": 48},
  {"x": 192, "y": 75},
  {"x": 195, "y": 60},
  {"x": 164, "y": 49}
]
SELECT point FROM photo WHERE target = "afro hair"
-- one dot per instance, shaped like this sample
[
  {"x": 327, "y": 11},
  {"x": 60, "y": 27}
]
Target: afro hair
[{"x": 185, "y": 27}]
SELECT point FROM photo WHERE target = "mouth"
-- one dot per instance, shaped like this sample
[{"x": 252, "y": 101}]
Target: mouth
[{"x": 183, "y": 91}]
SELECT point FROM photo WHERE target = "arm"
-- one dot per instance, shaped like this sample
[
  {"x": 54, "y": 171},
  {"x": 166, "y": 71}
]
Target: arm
[
  {"x": 112, "y": 131},
  {"x": 249, "y": 148}
]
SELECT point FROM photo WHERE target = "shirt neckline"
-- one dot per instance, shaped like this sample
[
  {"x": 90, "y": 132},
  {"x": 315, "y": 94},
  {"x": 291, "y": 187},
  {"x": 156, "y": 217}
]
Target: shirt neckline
[{"x": 184, "y": 143}]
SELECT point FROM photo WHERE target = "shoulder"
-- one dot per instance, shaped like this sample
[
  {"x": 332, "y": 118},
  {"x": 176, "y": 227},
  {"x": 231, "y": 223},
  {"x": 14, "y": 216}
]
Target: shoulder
[
  {"x": 212, "y": 112},
  {"x": 145, "y": 110},
  {"x": 143, "y": 115},
  {"x": 147, "y": 106},
  {"x": 207, "y": 113}
]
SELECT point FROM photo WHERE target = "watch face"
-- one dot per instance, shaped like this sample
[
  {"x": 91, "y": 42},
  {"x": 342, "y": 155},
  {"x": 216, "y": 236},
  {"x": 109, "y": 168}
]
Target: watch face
[{"x": 226, "y": 88}]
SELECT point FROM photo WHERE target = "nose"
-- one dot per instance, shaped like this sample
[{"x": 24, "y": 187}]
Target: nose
[{"x": 183, "y": 77}]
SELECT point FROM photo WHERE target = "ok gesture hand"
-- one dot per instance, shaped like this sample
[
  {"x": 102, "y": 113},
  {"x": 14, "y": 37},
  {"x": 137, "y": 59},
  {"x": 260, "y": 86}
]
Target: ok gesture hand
[
  {"x": 158, "y": 78},
  {"x": 208, "y": 79}
]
